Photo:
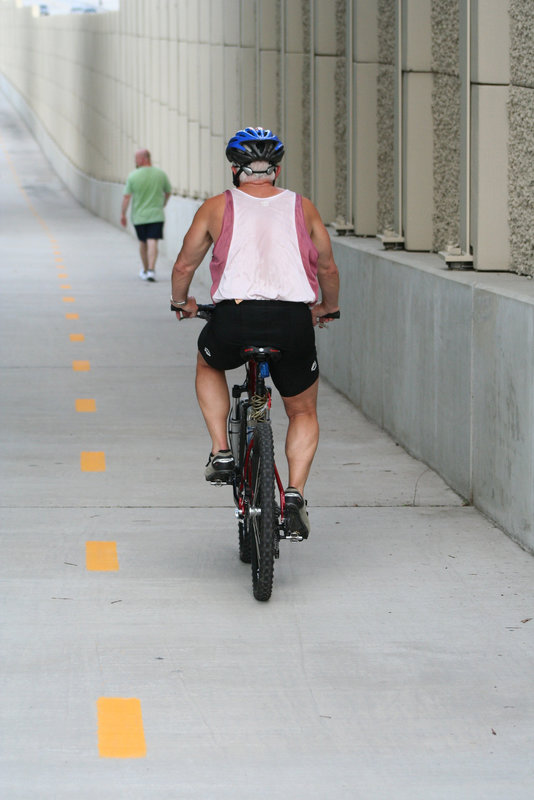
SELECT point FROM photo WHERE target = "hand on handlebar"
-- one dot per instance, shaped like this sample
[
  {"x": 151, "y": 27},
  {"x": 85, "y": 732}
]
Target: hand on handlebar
[
  {"x": 321, "y": 314},
  {"x": 189, "y": 310}
]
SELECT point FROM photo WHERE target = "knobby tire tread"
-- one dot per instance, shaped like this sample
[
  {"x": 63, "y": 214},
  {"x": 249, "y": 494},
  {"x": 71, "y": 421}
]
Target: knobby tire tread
[
  {"x": 262, "y": 528},
  {"x": 245, "y": 553}
]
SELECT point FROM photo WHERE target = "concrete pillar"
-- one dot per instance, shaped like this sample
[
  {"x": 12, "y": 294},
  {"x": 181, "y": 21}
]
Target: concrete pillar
[
  {"x": 418, "y": 163},
  {"x": 217, "y": 92},
  {"x": 417, "y": 130},
  {"x": 231, "y": 93},
  {"x": 490, "y": 44},
  {"x": 293, "y": 166},
  {"x": 489, "y": 178},
  {"x": 365, "y": 146},
  {"x": 325, "y": 136},
  {"x": 269, "y": 76},
  {"x": 365, "y": 110},
  {"x": 490, "y": 77}
]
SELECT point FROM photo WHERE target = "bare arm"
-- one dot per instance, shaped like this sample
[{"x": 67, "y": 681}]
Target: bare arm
[
  {"x": 196, "y": 244},
  {"x": 124, "y": 208},
  {"x": 327, "y": 272}
]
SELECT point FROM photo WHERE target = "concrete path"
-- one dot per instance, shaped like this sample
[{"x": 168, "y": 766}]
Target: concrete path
[{"x": 395, "y": 658}]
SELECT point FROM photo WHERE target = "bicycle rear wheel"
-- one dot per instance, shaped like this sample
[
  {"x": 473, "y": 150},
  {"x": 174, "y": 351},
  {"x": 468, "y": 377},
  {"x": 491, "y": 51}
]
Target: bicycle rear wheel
[
  {"x": 262, "y": 511},
  {"x": 244, "y": 527}
]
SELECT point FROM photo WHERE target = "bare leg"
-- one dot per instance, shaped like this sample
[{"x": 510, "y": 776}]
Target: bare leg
[
  {"x": 214, "y": 401},
  {"x": 302, "y": 434},
  {"x": 143, "y": 250},
  {"x": 152, "y": 248}
]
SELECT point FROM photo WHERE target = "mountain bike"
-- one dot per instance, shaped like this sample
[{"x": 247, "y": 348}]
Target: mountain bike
[{"x": 257, "y": 488}]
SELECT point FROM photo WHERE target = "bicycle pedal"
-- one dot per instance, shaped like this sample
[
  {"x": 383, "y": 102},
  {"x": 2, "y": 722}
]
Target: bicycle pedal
[
  {"x": 226, "y": 482},
  {"x": 293, "y": 537}
]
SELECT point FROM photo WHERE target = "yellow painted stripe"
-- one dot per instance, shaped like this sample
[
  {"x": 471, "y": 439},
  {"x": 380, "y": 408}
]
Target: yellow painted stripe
[
  {"x": 93, "y": 461},
  {"x": 72, "y": 316},
  {"x": 120, "y": 728},
  {"x": 85, "y": 404},
  {"x": 101, "y": 556},
  {"x": 81, "y": 366},
  {"x": 62, "y": 275},
  {"x": 68, "y": 299},
  {"x": 65, "y": 286},
  {"x": 77, "y": 337}
]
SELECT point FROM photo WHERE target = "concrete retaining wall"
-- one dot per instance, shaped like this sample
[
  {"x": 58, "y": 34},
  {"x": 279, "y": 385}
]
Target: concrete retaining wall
[{"x": 437, "y": 358}]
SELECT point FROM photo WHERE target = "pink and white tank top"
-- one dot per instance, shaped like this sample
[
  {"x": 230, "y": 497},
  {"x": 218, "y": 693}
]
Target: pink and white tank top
[{"x": 264, "y": 251}]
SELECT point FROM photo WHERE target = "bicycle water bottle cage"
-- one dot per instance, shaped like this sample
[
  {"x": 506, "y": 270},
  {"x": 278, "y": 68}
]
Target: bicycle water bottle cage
[{"x": 260, "y": 354}]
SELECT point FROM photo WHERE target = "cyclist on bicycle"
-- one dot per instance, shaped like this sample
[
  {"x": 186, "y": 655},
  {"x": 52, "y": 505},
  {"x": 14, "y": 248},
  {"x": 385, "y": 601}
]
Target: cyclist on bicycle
[{"x": 271, "y": 255}]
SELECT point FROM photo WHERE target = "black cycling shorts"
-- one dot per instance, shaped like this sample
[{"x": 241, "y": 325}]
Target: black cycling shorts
[
  {"x": 264, "y": 323},
  {"x": 149, "y": 230}
]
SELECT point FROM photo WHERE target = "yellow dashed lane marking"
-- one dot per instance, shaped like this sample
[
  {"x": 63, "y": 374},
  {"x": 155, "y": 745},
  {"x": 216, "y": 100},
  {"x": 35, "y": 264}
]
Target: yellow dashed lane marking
[
  {"x": 77, "y": 337},
  {"x": 120, "y": 728},
  {"x": 93, "y": 461},
  {"x": 101, "y": 556},
  {"x": 62, "y": 275},
  {"x": 65, "y": 286},
  {"x": 81, "y": 366},
  {"x": 85, "y": 404},
  {"x": 68, "y": 299},
  {"x": 72, "y": 316}
]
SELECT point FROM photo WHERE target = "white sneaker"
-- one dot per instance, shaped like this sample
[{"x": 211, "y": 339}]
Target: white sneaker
[
  {"x": 151, "y": 275},
  {"x": 143, "y": 275}
]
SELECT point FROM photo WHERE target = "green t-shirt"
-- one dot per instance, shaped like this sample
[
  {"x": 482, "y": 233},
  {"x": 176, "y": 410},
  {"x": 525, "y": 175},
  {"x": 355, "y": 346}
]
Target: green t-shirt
[{"x": 148, "y": 187}]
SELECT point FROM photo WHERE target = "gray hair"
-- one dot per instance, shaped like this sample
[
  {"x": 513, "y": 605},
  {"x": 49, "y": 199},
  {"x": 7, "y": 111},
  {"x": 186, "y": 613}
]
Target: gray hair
[{"x": 260, "y": 173}]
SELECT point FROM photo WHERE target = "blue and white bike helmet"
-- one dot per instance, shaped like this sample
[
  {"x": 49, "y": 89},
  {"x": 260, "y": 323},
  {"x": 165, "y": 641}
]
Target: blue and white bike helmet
[{"x": 253, "y": 144}]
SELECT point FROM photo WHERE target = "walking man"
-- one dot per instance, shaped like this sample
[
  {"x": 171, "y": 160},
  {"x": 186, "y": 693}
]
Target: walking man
[
  {"x": 149, "y": 189},
  {"x": 273, "y": 276}
]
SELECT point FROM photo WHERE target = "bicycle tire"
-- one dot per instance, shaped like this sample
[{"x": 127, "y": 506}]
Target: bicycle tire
[
  {"x": 244, "y": 529},
  {"x": 262, "y": 522}
]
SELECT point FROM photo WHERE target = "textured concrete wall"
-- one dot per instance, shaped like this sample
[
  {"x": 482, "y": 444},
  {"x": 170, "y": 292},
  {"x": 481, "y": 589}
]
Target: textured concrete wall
[
  {"x": 521, "y": 146},
  {"x": 402, "y": 352},
  {"x": 503, "y": 396},
  {"x": 180, "y": 77},
  {"x": 386, "y": 115},
  {"x": 446, "y": 121},
  {"x": 432, "y": 356}
]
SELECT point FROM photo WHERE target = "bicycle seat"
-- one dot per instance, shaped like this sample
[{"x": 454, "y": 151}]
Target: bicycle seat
[{"x": 260, "y": 353}]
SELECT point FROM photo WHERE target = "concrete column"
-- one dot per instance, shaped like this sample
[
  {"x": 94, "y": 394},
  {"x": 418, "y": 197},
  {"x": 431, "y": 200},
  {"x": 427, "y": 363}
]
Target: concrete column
[
  {"x": 418, "y": 175},
  {"x": 231, "y": 93},
  {"x": 489, "y": 178},
  {"x": 269, "y": 68},
  {"x": 325, "y": 161},
  {"x": 365, "y": 110},
  {"x": 365, "y": 145},
  {"x": 490, "y": 76},
  {"x": 521, "y": 120},
  {"x": 247, "y": 69},
  {"x": 293, "y": 167},
  {"x": 217, "y": 92},
  {"x": 490, "y": 46},
  {"x": 269, "y": 72},
  {"x": 417, "y": 129}
]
